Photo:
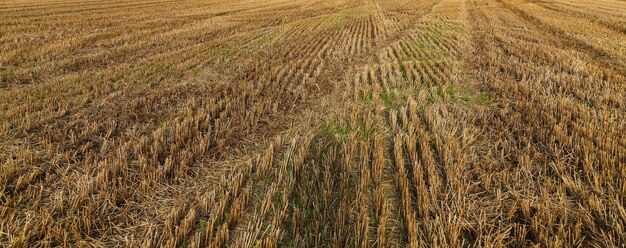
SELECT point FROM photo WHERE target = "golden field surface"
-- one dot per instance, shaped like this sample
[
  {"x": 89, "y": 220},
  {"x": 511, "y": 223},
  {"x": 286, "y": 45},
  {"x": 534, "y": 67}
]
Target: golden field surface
[{"x": 313, "y": 123}]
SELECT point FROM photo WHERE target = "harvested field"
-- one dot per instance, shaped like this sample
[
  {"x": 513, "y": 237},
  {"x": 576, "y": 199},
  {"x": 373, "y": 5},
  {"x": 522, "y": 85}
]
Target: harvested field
[{"x": 310, "y": 123}]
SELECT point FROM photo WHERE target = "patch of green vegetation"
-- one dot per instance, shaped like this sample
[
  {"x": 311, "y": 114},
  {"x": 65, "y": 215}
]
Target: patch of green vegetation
[
  {"x": 342, "y": 17},
  {"x": 37, "y": 96},
  {"x": 298, "y": 202},
  {"x": 267, "y": 39},
  {"x": 422, "y": 59},
  {"x": 436, "y": 32},
  {"x": 267, "y": 179},
  {"x": 223, "y": 50},
  {"x": 437, "y": 94},
  {"x": 195, "y": 71},
  {"x": 392, "y": 99},
  {"x": 446, "y": 30},
  {"x": 226, "y": 215},
  {"x": 363, "y": 129},
  {"x": 481, "y": 99},
  {"x": 367, "y": 99},
  {"x": 458, "y": 90},
  {"x": 432, "y": 54},
  {"x": 388, "y": 99},
  {"x": 333, "y": 128},
  {"x": 278, "y": 200},
  {"x": 402, "y": 70},
  {"x": 152, "y": 73},
  {"x": 335, "y": 20},
  {"x": 421, "y": 45},
  {"x": 452, "y": 27},
  {"x": 202, "y": 225},
  {"x": 463, "y": 93},
  {"x": 264, "y": 40}
]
